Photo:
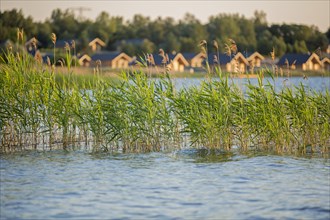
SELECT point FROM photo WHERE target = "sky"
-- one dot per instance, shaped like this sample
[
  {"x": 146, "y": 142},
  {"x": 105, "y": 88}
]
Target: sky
[{"x": 308, "y": 12}]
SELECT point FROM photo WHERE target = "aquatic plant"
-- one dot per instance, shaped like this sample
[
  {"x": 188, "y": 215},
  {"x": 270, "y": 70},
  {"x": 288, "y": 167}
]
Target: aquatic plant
[{"x": 41, "y": 108}]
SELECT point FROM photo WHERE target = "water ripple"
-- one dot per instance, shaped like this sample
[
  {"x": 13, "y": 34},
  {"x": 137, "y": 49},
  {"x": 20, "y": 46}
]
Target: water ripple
[{"x": 187, "y": 184}]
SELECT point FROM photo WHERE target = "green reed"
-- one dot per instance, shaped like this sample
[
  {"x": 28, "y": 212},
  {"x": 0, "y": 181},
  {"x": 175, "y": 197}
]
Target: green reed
[{"x": 42, "y": 108}]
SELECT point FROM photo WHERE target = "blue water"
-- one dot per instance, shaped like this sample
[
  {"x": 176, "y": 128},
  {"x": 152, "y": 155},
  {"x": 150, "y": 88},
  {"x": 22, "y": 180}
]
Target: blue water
[
  {"x": 317, "y": 83},
  {"x": 185, "y": 184}
]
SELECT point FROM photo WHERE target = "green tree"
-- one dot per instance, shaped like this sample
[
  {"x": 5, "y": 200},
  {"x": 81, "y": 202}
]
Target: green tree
[
  {"x": 13, "y": 19},
  {"x": 172, "y": 43},
  {"x": 105, "y": 27},
  {"x": 264, "y": 42},
  {"x": 317, "y": 40},
  {"x": 300, "y": 47},
  {"x": 43, "y": 33},
  {"x": 223, "y": 27},
  {"x": 129, "y": 49},
  {"x": 184, "y": 35},
  {"x": 279, "y": 45},
  {"x": 328, "y": 34},
  {"x": 246, "y": 40},
  {"x": 138, "y": 27},
  {"x": 64, "y": 24},
  {"x": 191, "y": 32},
  {"x": 157, "y": 31},
  {"x": 147, "y": 47}
]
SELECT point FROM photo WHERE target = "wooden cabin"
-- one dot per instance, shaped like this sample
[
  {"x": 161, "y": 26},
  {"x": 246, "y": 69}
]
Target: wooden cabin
[
  {"x": 254, "y": 58},
  {"x": 112, "y": 59},
  {"x": 96, "y": 44},
  {"x": 326, "y": 63},
  {"x": 300, "y": 61},
  {"x": 194, "y": 59},
  {"x": 84, "y": 60},
  {"x": 235, "y": 63},
  {"x": 177, "y": 61}
]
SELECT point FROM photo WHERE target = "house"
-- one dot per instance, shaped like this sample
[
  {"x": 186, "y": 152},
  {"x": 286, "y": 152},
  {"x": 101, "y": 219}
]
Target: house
[
  {"x": 194, "y": 60},
  {"x": 84, "y": 60},
  {"x": 176, "y": 61},
  {"x": 112, "y": 59},
  {"x": 254, "y": 58},
  {"x": 96, "y": 44},
  {"x": 300, "y": 61},
  {"x": 326, "y": 63},
  {"x": 234, "y": 63}
]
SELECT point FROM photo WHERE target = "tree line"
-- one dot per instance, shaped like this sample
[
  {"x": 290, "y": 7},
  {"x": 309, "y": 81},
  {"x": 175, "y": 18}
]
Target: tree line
[{"x": 184, "y": 35}]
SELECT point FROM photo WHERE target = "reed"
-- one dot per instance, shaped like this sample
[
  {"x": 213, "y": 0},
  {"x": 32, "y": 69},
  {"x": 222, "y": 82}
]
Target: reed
[{"x": 41, "y": 109}]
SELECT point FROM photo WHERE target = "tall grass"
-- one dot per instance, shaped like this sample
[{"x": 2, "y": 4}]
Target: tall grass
[{"x": 41, "y": 108}]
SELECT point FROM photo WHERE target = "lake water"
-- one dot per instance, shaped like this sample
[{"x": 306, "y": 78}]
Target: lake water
[
  {"x": 318, "y": 83},
  {"x": 185, "y": 184},
  {"x": 182, "y": 184}
]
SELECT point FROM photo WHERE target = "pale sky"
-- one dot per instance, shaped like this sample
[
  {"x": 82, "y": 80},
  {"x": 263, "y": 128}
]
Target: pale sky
[{"x": 309, "y": 12}]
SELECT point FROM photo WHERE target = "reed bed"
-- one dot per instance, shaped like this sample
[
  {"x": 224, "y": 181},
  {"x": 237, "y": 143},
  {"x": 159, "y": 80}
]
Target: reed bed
[{"x": 136, "y": 114}]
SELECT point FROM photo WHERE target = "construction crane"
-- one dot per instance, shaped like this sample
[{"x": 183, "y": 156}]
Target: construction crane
[{"x": 80, "y": 11}]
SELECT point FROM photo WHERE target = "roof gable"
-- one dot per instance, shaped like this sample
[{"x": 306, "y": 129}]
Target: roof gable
[
  {"x": 178, "y": 57},
  {"x": 315, "y": 57},
  {"x": 239, "y": 56},
  {"x": 123, "y": 56},
  {"x": 97, "y": 41},
  {"x": 84, "y": 57},
  {"x": 251, "y": 56},
  {"x": 325, "y": 60}
]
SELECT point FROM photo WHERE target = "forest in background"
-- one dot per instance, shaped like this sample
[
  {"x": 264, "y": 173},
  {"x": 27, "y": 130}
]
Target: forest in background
[{"x": 184, "y": 35}]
